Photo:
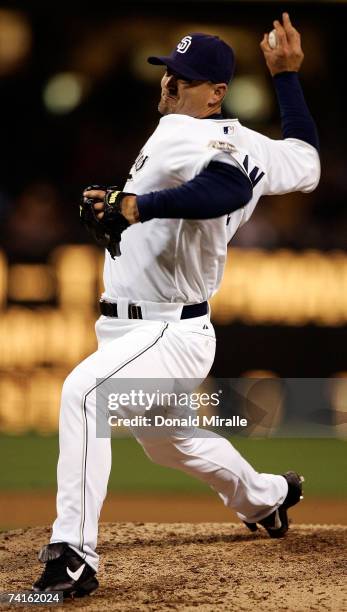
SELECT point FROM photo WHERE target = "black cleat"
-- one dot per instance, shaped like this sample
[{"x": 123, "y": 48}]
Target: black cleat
[
  {"x": 276, "y": 524},
  {"x": 65, "y": 571}
]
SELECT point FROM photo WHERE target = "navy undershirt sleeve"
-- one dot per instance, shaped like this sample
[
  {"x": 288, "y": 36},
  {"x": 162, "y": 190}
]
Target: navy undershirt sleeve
[
  {"x": 296, "y": 119},
  {"x": 218, "y": 190}
]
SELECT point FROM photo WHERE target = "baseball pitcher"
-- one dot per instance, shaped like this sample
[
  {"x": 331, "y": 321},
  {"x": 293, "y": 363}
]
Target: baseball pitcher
[{"x": 194, "y": 183}]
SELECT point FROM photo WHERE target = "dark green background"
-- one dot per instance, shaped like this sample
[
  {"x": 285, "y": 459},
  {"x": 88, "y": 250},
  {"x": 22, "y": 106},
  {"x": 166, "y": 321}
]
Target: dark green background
[{"x": 29, "y": 462}]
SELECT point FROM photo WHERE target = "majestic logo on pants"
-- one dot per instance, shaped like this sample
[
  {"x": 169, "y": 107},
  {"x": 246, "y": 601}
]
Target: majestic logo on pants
[{"x": 184, "y": 45}]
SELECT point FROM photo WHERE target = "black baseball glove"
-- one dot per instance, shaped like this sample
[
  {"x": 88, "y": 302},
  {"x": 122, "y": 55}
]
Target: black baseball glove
[{"x": 106, "y": 231}]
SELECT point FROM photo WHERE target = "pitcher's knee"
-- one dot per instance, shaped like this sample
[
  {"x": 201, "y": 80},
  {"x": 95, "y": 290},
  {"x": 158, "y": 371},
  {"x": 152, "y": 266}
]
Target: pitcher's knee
[
  {"x": 168, "y": 452},
  {"x": 69, "y": 386},
  {"x": 75, "y": 387}
]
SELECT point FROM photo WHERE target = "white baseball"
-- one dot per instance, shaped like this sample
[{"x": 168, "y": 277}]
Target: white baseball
[{"x": 273, "y": 39}]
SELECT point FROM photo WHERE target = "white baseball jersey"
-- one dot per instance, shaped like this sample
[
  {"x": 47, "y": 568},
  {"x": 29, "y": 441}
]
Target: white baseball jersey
[{"x": 180, "y": 260}]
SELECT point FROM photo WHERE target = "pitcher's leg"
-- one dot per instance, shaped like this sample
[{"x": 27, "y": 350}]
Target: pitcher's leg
[
  {"x": 214, "y": 460},
  {"x": 84, "y": 459},
  {"x": 83, "y": 468}
]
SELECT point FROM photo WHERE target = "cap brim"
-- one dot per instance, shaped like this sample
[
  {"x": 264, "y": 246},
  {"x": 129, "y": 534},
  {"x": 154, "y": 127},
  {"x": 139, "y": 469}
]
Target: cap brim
[
  {"x": 185, "y": 71},
  {"x": 158, "y": 61}
]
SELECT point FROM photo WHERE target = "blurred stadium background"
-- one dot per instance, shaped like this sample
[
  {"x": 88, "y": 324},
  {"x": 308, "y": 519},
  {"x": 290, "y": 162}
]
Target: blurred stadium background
[{"x": 77, "y": 102}]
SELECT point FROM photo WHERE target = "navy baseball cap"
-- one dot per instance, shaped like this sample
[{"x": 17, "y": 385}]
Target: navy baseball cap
[{"x": 200, "y": 57}]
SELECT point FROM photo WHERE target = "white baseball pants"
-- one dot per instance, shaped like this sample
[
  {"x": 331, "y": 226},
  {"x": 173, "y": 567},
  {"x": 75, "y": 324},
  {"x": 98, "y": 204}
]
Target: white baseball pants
[{"x": 146, "y": 349}]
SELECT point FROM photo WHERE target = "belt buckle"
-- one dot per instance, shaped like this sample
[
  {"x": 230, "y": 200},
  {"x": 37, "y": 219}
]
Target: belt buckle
[{"x": 134, "y": 311}]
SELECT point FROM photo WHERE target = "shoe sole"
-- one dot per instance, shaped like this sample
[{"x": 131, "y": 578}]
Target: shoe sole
[{"x": 82, "y": 590}]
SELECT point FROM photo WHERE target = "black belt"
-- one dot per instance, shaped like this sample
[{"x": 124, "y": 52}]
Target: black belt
[{"x": 109, "y": 309}]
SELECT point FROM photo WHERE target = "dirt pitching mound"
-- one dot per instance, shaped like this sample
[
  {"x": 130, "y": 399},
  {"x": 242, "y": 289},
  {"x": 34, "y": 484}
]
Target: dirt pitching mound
[{"x": 202, "y": 566}]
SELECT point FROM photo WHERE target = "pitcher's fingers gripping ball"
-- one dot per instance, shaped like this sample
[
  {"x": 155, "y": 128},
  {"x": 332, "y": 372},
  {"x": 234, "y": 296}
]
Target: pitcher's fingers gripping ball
[
  {"x": 282, "y": 47},
  {"x": 272, "y": 39}
]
